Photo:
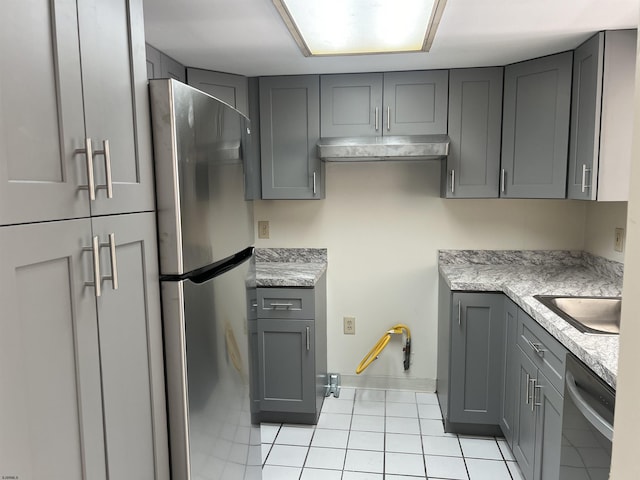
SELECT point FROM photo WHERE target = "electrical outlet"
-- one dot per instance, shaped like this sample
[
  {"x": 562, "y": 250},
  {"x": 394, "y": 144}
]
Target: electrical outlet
[
  {"x": 349, "y": 325},
  {"x": 618, "y": 243},
  {"x": 263, "y": 229}
]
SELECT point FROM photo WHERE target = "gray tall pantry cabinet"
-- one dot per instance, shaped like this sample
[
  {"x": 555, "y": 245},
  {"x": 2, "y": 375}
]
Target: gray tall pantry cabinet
[
  {"x": 289, "y": 132},
  {"x": 535, "y": 128},
  {"x": 81, "y": 355}
]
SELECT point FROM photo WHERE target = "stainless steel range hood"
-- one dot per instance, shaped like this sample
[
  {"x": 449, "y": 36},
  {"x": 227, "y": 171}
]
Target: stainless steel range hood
[{"x": 393, "y": 147}]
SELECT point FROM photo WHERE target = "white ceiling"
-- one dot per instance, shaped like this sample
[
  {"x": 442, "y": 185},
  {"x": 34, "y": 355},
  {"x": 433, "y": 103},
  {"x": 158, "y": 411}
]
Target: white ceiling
[{"x": 248, "y": 37}]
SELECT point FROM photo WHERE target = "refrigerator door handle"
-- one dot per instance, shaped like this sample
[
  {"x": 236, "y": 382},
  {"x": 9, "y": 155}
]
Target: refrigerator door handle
[{"x": 213, "y": 270}]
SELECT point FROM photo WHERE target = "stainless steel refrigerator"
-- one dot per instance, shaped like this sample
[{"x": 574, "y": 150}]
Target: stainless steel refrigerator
[{"x": 205, "y": 229}]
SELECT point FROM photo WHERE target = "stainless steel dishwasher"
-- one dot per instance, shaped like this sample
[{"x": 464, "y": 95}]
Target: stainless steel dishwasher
[{"x": 587, "y": 424}]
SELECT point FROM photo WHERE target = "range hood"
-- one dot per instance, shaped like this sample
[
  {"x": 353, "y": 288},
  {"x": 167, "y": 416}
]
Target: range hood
[{"x": 392, "y": 147}]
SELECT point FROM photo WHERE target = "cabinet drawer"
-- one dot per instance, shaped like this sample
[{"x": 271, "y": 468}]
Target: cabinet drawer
[
  {"x": 543, "y": 350},
  {"x": 295, "y": 303}
]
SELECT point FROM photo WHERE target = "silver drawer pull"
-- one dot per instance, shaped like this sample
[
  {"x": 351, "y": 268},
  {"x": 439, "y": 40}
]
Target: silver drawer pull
[
  {"x": 453, "y": 181},
  {"x": 308, "y": 339},
  {"x": 537, "y": 397},
  {"x": 376, "y": 120},
  {"x": 388, "y": 118},
  {"x": 533, "y": 382},
  {"x": 536, "y": 347},
  {"x": 283, "y": 305},
  {"x": 528, "y": 396}
]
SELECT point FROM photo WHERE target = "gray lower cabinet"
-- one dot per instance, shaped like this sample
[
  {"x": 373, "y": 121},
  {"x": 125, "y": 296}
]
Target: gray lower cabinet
[
  {"x": 602, "y": 117},
  {"x": 291, "y": 357},
  {"x": 83, "y": 382},
  {"x": 509, "y": 374},
  {"x": 289, "y": 132},
  {"x": 472, "y": 168},
  {"x": 161, "y": 65},
  {"x": 535, "y": 131},
  {"x": 475, "y": 360},
  {"x": 537, "y": 430},
  {"x": 56, "y": 95},
  {"x": 390, "y": 103}
]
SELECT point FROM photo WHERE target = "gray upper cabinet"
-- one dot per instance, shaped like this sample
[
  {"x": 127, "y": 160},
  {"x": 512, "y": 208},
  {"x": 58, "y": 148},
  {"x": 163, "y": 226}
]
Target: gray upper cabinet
[
  {"x": 57, "y": 86},
  {"x": 476, "y": 358},
  {"x": 602, "y": 117},
  {"x": 84, "y": 374},
  {"x": 289, "y": 132},
  {"x": 472, "y": 168},
  {"x": 535, "y": 132},
  {"x": 231, "y": 89},
  {"x": 160, "y": 65},
  {"x": 392, "y": 103}
]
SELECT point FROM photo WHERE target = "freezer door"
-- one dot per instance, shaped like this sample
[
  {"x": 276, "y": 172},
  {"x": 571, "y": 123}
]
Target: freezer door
[
  {"x": 207, "y": 364},
  {"x": 199, "y": 146}
]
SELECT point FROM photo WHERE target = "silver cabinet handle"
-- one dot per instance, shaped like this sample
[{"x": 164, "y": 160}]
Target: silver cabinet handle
[
  {"x": 95, "y": 250},
  {"x": 314, "y": 184},
  {"x": 285, "y": 305},
  {"x": 527, "y": 397},
  {"x": 537, "y": 397},
  {"x": 536, "y": 347},
  {"x": 114, "y": 265},
  {"x": 453, "y": 181},
  {"x": 533, "y": 382},
  {"x": 91, "y": 184},
  {"x": 502, "y": 177},
  {"x": 308, "y": 339},
  {"x": 584, "y": 178},
  {"x": 388, "y": 118},
  {"x": 459, "y": 313},
  {"x": 376, "y": 120},
  {"x": 107, "y": 167}
]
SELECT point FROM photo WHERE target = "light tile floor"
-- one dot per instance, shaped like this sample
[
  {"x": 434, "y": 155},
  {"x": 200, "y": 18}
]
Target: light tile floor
[{"x": 377, "y": 434}]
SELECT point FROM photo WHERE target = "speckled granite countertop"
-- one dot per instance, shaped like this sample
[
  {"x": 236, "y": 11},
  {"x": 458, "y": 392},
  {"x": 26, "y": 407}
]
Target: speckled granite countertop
[
  {"x": 290, "y": 267},
  {"x": 522, "y": 274}
]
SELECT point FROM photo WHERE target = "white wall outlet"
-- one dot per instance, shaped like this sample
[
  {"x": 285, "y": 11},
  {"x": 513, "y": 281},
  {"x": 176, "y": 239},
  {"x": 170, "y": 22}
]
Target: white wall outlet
[
  {"x": 263, "y": 229},
  {"x": 349, "y": 325},
  {"x": 618, "y": 243}
]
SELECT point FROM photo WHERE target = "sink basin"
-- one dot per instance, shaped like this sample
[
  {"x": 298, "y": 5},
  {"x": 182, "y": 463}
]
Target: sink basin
[{"x": 598, "y": 315}]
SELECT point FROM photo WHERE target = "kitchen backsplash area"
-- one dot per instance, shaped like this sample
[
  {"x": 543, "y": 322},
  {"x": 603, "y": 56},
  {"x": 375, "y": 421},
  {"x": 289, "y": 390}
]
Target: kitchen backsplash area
[{"x": 383, "y": 224}]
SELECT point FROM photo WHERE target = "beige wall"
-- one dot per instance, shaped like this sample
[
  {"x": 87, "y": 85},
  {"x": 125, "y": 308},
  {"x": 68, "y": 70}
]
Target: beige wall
[
  {"x": 602, "y": 220},
  {"x": 625, "y": 464},
  {"x": 383, "y": 224}
]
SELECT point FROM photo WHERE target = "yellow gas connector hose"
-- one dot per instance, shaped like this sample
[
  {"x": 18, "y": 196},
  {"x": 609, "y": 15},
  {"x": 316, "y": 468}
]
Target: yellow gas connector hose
[{"x": 382, "y": 343}]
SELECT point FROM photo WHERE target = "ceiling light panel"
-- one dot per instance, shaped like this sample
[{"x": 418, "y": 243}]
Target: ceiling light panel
[{"x": 351, "y": 27}]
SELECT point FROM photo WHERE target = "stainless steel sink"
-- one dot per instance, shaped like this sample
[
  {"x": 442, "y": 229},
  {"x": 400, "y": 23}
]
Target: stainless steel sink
[{"x": 599, "y": 315}]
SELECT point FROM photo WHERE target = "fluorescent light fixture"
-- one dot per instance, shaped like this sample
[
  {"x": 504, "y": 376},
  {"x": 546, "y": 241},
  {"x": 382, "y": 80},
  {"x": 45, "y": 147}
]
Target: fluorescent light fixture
[{"x": 355, "y": 27}]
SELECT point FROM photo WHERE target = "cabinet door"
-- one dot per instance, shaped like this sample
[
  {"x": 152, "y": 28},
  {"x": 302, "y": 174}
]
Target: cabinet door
[
  {"x": 475, "y": 127},
  {"x": 51, "y": 406},
  {"x": 289, "y": 132},
  {"x": 586, "y": 103},
  {"x": 509, "y": 374},
  {"x": 131, "y": 355},
  {"x": 153, "y": 62},
  {"x": 415, "y": 103},
  {"x": 524, "y": 439},
  {"x": 549, "y": 405},
  {"x": 476, "y": 358},
  {"x": 286, "y": 365},
  {"x": 351, "y": 105},
  {"x": 116, "y": 102},
  {"x": 535, "y": 131},
  {"x": 231, "y": 89},
  {"x": 41, "y": 115},
  {"x": 170, "y": 68}
]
